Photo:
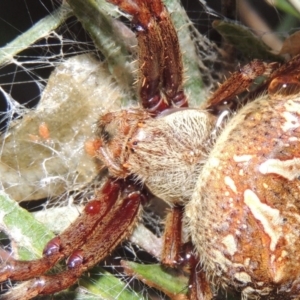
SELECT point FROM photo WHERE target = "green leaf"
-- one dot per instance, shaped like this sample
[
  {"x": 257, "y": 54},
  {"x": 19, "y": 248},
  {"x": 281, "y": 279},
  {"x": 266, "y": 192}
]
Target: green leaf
[
  {"x": 29, "y": 235},
  {"x": 245, "y": 41},
  {"x": 39, "y": 30},
  {"x": 154, "y": 275},
  {"x": 193, "y": 84},
  {"x": 107, "y": 286},
  {"x": 286, "y": 7},
  {"x": 94, "y": 17}
]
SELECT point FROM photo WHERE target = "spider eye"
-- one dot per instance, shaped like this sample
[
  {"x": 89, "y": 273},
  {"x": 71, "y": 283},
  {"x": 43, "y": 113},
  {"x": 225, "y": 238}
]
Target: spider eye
[{"x": 105, "y": 135}]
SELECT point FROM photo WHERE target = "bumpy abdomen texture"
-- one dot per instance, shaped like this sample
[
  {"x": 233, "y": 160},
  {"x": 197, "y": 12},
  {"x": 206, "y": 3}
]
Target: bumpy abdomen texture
[{"x": 244, "y": 215}]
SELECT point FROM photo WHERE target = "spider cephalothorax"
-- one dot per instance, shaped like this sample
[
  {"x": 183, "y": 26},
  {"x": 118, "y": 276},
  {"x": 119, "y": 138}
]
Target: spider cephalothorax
[
  {"x": 134, "y": 143},
  {"x": 240, "y": 190}
]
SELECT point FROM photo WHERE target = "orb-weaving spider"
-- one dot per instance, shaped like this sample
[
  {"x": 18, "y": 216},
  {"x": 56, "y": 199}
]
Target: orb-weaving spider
[{"x": 239, "y": 192}]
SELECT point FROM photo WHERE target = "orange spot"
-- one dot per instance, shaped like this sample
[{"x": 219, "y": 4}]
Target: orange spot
[
  {"x": 44, "y": 131},
  {"x": 91, "y": 147},
  {"x": 126, "y": 166},
  {"x": 126, "y": 128}
]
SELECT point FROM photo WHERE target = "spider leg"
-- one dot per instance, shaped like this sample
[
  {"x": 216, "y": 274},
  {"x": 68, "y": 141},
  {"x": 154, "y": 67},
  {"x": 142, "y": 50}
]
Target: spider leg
[
  {"x": 283, "y": 80},
  {"x": 62, "y": 245},
  {"x": 174, "y": 254},
  {"x": 238, "y": 82},
  {"x": 286, "y": 79},
  {"x": 160, "y": 63},
  {"x": 199, "y": 288},
  {"x": 172, "y": 237},
  {"x": 98, "y": 232}
]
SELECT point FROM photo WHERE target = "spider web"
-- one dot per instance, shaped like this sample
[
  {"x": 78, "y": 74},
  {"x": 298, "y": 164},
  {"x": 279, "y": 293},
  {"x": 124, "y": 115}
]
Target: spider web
[
  {"x": 42, "y": 147},
  {"x": 58, "y": 164},
  {"x": 45, "y": 125}
]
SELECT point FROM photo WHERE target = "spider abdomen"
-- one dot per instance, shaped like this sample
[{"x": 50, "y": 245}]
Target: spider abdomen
[{"x": 244, "y": 215}]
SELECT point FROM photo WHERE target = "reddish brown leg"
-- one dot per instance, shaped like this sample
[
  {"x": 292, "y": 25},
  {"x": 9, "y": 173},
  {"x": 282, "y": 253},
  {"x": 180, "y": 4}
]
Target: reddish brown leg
[
  {"x": 286, "y": 80},
  {"x": 172, "y": 76},
  {"x": 199, "y": 288},
  {"x": 160, "y": 64},
  {"x": 174, "y": 253},
  {"x": 238, "y": 82},
  {"x": 101, "y": 227},
  {"x": 62, "y": 245},
  {"x": 172, "y": 238}
]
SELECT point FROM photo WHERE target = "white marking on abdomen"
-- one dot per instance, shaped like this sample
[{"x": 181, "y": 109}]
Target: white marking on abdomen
[
  {"x": 230, "y": 244},
  {"x": 242, "y": 158},
  {"x": 230, "y": 183},
  {"x": 289, "y": 169},
  {"x": 243, "y": 277},
  {"x": 268, "y": 216},
  {"x": 291, "y": 121}
]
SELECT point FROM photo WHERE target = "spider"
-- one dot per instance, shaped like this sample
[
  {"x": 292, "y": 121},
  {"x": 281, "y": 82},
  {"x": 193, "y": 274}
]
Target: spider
[{"x": 234, "y": 188}]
